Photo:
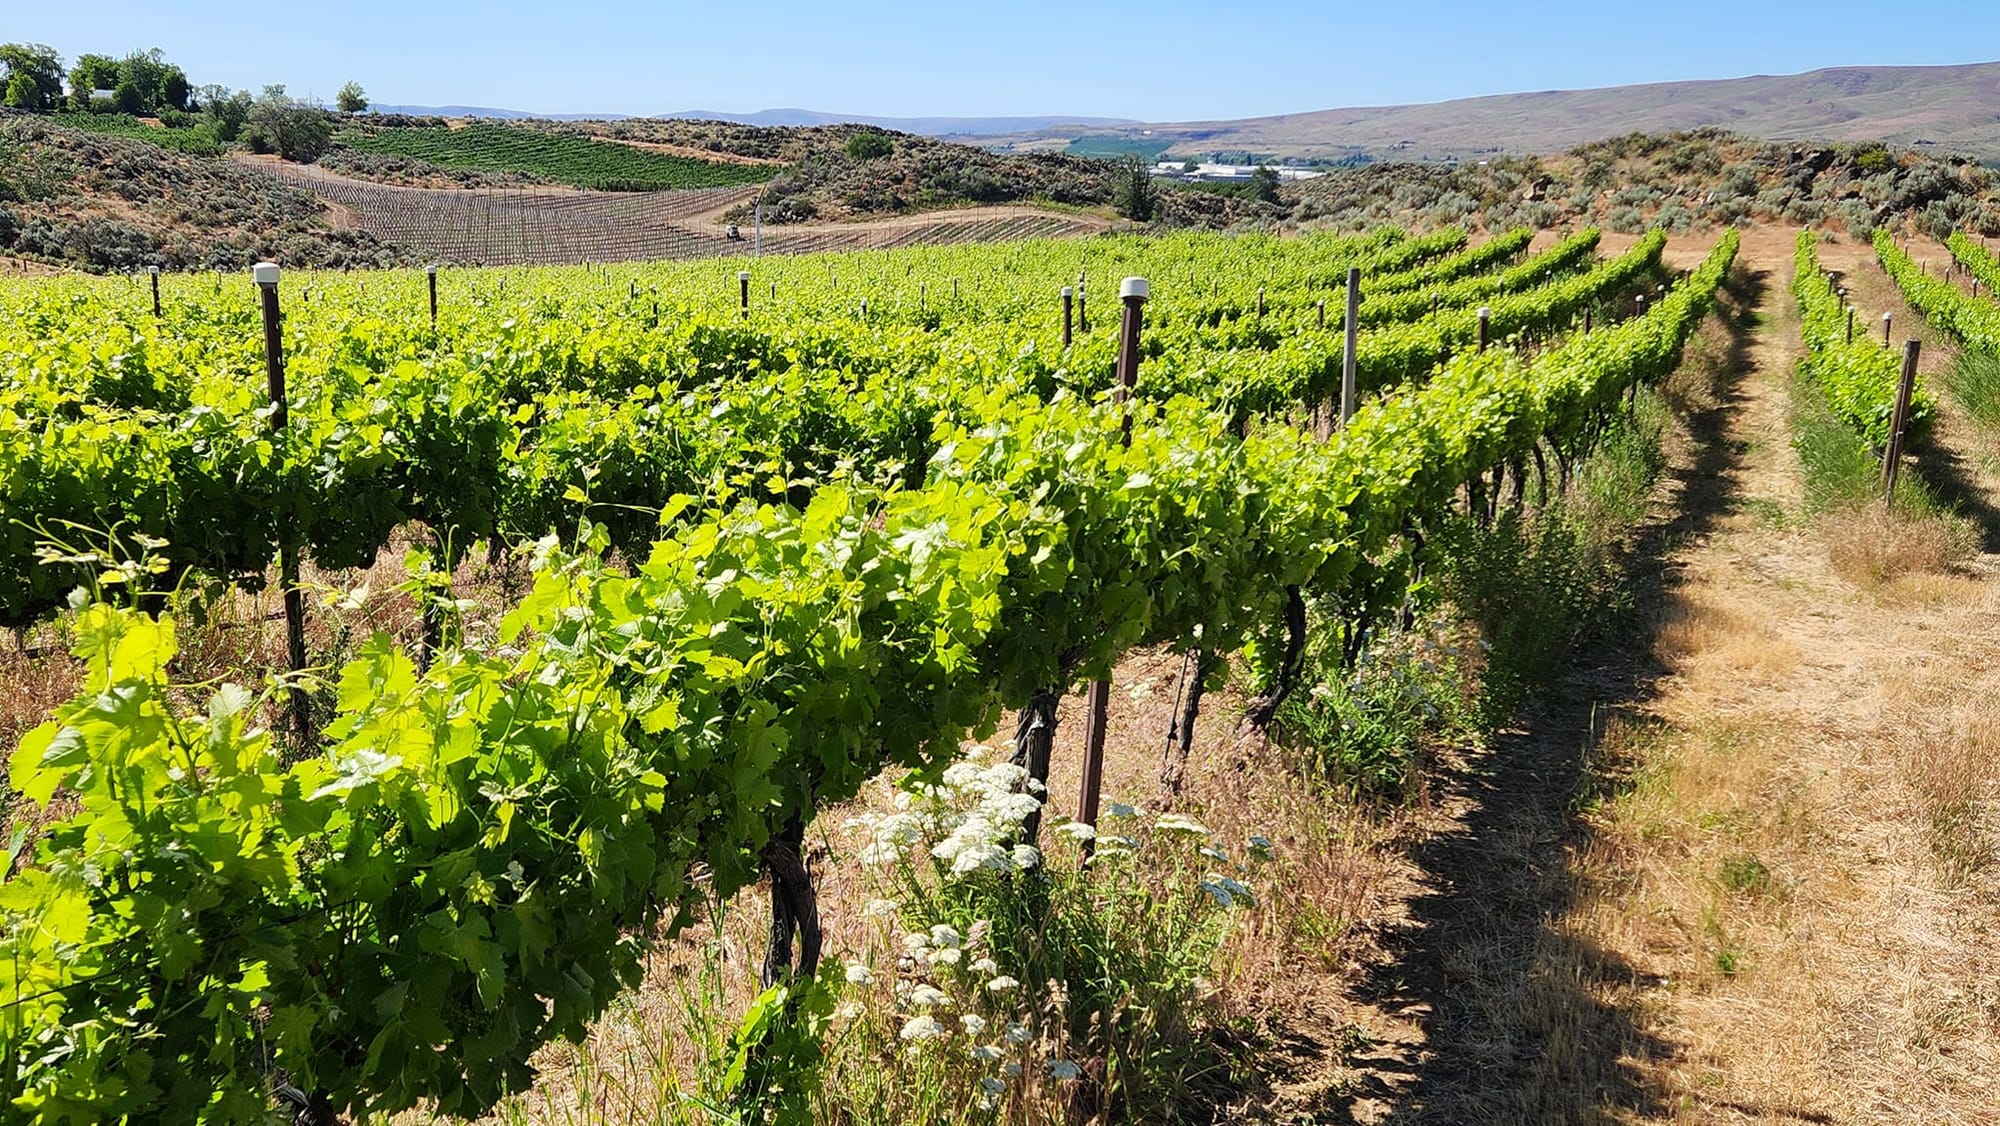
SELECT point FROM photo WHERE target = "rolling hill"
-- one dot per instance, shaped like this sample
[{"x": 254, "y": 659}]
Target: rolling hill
[
  {"x": 922, "y": 126},
  {"x": 1954, "y": 108}
]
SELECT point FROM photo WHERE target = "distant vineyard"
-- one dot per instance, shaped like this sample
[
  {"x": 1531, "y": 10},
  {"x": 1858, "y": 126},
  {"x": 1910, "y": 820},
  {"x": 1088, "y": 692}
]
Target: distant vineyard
[
  {"x": 561, "y": 157},
  {"x": 194, "y": 142},
  {"x": 548, "y": 228}
]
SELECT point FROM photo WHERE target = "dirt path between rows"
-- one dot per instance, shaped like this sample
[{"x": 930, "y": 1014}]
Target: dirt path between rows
[{"x": 1735, "y": 867}]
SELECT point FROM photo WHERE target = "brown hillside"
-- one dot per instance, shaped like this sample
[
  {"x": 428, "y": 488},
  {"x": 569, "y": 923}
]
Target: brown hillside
[
  {"x": 1951, "y": 107},
  {"x": 108, "y": 203}
]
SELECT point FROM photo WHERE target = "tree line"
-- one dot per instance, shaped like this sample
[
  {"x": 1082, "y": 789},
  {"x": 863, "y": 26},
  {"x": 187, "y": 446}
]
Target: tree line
[{"x": 145, "y": 84}]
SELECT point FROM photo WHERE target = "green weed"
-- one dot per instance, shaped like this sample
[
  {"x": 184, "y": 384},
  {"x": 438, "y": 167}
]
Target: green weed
[
  {"x": 1975, "y": 383},
  {"x": 1744, "y": 874}
]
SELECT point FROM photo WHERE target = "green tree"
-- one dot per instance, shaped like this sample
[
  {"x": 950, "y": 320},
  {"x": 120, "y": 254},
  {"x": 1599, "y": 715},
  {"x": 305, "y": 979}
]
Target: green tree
[
  {"x": 142, "y": 72},
  {"x": 174, "y": 91},
  {"x": 20, "y": 93},
  {"x": 225, "y": 111},
  {"x": 1263, "y": 184},
  {"x": 1134, "y": 198},
  {"x": 868, "y": 144},
  {"x": 90, "y": 74},
  {"x": 281, "y": 124},
  {"x": 351, "y": 99},
  {"x": 34, "y": 76}
]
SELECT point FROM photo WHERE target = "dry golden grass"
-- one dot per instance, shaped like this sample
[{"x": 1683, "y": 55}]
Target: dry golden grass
[
  {"x": 1795, "y": 854},
  {"x": 1953, "y": 775},
  {"x": 1715, "y": 638},
  {"x": 1873, "y": 546}
]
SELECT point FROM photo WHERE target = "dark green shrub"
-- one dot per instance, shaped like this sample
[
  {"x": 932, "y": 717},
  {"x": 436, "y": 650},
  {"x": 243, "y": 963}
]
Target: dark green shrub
[{"x": 869, "y": 145}]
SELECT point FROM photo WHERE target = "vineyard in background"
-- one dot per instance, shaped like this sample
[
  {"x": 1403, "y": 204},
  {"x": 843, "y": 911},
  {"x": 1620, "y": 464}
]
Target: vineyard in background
[
  {"x": 789, "y": 527},
  {"x": 570, "y": 158},
  {"x": 531, "y": 226}
]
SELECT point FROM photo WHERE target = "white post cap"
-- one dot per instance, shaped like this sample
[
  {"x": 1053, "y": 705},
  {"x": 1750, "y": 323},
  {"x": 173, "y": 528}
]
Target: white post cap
[
  {"x": 153, "y": 270},
  {"x": 431, "y": 270},
  {"x": 742, "y": 275},
  {"x": 1135, "y": 287},
  {"x": 1485, "y": 311},
  {"x": 264, "y": 273},
  {"x": 1887, "y": 316}
]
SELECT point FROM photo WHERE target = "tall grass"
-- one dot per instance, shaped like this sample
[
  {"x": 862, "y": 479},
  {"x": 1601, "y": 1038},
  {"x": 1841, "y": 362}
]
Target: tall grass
[
  {"x": 1497, "y": 613},
  {"x": 1975, "y": 383},
  {"x": 1868, "y": 541}
]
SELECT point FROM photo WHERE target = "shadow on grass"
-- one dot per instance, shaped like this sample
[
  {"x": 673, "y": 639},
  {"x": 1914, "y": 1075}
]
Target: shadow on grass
[
  {"x": 1974, "y": 386},
  {"x": 1516, "y": 1028}
]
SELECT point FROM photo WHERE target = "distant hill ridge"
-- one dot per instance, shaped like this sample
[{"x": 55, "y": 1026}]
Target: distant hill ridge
[
  {"x": 922, "y": 126},
  {"x": 1956, "y": 108}
]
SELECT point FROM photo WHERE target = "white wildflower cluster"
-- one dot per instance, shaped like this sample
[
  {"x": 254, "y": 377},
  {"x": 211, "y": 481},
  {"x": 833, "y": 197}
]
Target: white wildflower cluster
[
  {"x": 950, "y": 996},
  {"x": 971, "y": 820},
  {"x": 1176, "y": 823},
  {"x": 983, "y": 807}
]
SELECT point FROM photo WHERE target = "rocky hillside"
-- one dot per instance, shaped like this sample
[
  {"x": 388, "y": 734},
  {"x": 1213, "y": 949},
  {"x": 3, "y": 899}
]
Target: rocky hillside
[
  {"x": 1679, "y": 181},
  {"x": 1703, "y": 177},
  {"x": 97, "y": 202}
]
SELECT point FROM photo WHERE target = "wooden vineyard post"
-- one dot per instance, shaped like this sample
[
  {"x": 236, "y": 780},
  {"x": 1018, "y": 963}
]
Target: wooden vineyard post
[
  {"x": 265, "y": 274},
  {"x": 154, "y": 272},
  {"x": 1133, "y": 293},
  {"x": 1082, "y": 308},
  {"x": 1069, "y": 312},
  {"x": 1586, "y": 320},
  {"x": 1639, "y": 306},
  {"x": 1888, "y": 320},
  {"x": 1321, "y": 307},
  {"x": 743, "y": 286},
  {"x": 1485, "y": 325},
  {"x": 1892, "y": 458},
  {"x": 1352, "y": 327},
  {"x": 1850, "y": 324},
  {"x": 431, "y": 278},
  {"x": 1260, "y": 302}
]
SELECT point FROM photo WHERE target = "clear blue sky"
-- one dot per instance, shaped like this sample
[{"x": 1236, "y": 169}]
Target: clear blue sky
[{"x": 1161, "y": 61}]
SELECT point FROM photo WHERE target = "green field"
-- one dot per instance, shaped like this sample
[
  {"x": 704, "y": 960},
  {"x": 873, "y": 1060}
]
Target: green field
[
  {"x": 562, "y": 157},
  {"x": 1113, "y": 147},
  {"x": 194, "y": 142}
]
